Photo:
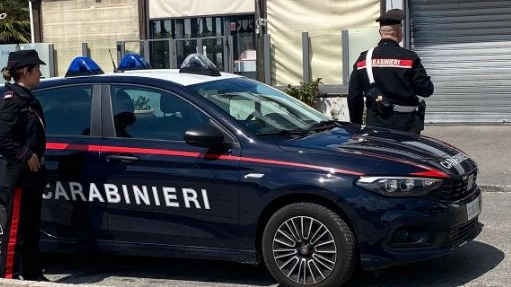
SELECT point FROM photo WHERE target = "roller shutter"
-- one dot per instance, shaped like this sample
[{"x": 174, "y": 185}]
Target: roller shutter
[{"x": 466, "y": 48}]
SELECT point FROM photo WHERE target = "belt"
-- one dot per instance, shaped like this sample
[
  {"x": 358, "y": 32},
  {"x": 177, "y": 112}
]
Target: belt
[{"x": 404, "y": 109}]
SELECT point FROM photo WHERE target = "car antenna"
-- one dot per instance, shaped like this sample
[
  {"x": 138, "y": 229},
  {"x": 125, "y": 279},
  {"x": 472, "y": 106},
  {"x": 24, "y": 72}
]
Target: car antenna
[{"x": 113, "y": 63}]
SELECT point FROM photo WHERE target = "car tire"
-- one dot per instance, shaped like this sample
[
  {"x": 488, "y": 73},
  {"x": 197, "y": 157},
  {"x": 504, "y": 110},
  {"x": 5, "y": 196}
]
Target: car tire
[{"x": 308, "y": 235}]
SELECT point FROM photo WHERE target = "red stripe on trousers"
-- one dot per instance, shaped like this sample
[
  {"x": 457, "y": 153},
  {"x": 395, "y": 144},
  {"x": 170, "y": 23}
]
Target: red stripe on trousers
[{"x": 13, "y": 233}]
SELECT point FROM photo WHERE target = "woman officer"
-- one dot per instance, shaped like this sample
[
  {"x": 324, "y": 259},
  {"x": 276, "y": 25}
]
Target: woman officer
[{"x": 22, "y": 144}]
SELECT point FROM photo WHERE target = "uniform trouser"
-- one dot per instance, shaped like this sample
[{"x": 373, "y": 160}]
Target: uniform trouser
[{"x": 20, "y": 239}]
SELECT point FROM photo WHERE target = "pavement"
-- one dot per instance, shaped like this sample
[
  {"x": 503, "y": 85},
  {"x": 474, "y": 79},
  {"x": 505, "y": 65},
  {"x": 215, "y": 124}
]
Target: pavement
[
  {"x": 488, "y": 144},
  {"x": 21, "y": 283}
]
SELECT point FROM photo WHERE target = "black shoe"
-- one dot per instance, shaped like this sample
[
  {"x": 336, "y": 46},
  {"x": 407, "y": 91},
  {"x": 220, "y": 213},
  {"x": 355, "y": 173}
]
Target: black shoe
[{"x": 41, "y": 278}]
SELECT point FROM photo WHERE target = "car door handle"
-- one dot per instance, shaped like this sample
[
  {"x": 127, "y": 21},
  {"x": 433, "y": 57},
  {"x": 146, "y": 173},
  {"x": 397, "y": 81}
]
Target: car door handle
[{"x": 122, "y": 158}]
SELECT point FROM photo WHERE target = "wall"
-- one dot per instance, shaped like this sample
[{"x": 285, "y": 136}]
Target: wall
[
  {"x": 194, "y": 8},
  {"x": 100, "y": 23}
]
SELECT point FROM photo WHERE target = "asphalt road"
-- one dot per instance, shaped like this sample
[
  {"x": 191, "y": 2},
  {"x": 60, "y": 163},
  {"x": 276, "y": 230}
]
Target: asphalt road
[{"x": 482, "y": 262}]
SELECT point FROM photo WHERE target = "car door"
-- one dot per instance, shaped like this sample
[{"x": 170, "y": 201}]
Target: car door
[
  {"x": 69, "y": 212},
  {"x": 159, "y": 189}
]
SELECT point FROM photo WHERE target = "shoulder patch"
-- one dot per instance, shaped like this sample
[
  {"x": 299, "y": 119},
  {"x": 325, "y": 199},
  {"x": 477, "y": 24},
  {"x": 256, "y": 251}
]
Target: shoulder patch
[{"x": 8, "y": 94}]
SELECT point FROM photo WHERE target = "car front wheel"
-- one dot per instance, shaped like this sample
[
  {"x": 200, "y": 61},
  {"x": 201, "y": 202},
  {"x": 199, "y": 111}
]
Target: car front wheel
[{"x": 307, "y": 244}]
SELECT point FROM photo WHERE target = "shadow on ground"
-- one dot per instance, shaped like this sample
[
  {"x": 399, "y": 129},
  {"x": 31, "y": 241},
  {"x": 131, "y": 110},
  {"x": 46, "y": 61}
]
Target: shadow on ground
[{"x": 466, "y": 264}]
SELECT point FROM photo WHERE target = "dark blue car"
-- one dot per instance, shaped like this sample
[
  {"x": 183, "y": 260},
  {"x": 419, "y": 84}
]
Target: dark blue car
[{"x": 192, "y": 164}]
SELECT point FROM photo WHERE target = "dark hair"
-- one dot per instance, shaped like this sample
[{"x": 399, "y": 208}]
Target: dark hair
[{"x": 15, "y": 74}]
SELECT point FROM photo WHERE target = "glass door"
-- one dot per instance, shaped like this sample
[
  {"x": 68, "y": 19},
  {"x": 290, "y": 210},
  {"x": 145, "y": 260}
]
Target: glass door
[{"x": 214, "y": 48}]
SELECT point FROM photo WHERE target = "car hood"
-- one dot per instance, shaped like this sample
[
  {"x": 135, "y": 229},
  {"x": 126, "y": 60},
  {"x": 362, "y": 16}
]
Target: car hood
[{"x": 384, "y": 145}]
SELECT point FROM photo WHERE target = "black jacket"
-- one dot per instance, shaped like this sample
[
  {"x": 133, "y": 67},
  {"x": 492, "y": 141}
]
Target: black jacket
[
  {"x": 22, "y": 133},
  {"x": 398, "y": 74}
]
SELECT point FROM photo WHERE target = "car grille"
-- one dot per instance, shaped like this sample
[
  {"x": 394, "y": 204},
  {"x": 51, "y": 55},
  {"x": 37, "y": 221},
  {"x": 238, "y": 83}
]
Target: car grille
[
  {"x": 462, "y": 233},
  {"x": 456, "y": 189}
]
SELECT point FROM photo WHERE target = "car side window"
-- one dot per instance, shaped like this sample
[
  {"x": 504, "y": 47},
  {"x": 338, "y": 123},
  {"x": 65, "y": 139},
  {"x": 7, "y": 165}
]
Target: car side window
[
  {"x": 152, "y": 114},
  {"x": 66, "y": 110}
]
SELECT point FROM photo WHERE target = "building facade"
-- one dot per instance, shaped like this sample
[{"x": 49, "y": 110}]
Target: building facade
[
  {"x": 98, "y": 23},
  {"x": 463, "y": 44}
]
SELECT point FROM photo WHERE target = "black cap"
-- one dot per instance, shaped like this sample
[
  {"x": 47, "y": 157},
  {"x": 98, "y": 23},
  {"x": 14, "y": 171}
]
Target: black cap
[
  {"x": 391, "y": 17},
  {"x": 23, "y": 58}
]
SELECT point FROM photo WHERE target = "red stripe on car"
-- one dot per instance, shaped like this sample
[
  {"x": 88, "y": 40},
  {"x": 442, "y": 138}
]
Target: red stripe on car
[
  {"x": 82, "y": 147},
  {"x": 430, "y": 172}
]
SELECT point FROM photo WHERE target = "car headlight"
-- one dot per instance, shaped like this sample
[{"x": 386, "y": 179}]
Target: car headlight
[{"x": 399, "y": 186}]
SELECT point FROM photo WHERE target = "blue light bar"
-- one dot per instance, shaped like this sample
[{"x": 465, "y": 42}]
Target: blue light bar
[
  {"x": 83, "y": 66},
  {"x": 133, "y": 61}
]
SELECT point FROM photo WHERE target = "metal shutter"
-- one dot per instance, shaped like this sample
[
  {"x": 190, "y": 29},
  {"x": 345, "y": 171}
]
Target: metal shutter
[{"x": 466, "y": 49}]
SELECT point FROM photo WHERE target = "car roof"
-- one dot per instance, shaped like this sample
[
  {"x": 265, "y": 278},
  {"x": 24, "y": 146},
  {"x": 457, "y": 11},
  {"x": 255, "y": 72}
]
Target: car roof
[
  {"x": 182, "y": 78},
  {"x": 172, "y": 75}
]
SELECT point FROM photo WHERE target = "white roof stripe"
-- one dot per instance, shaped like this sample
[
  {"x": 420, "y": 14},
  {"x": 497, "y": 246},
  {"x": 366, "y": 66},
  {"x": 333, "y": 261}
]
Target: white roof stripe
[{"x": 172, "y": 75}]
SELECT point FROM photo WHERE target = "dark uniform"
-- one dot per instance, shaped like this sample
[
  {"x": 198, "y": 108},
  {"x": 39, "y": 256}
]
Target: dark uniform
[
  {"x": 399, "y": 75},
  {"x": 22, "y": 133}
]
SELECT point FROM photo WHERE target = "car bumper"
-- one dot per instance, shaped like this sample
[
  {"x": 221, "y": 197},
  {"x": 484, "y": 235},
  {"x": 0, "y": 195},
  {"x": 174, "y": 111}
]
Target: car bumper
[{"x": 420, "y": 231}]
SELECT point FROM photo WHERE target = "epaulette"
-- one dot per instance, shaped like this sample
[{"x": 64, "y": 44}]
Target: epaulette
[{"x": 9, "y": 95}]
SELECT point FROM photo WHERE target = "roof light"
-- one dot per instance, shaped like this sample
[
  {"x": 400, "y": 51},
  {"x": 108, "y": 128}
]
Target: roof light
[
  {"x": 199, "y": 64},
  {"x": 83, "y": 66},
  {"x": 132, "y": 61}
]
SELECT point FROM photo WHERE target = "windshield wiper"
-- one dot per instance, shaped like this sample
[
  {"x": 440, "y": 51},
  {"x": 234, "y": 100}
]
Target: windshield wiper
[
  {"x": 324, "y": 125},
  {"x": 284, "y": 132}
]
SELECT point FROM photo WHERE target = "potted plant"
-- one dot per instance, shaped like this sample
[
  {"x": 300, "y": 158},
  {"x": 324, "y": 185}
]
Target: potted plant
[{"x": 307, "y": 92}]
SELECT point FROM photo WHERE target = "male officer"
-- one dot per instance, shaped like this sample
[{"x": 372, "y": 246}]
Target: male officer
[
  {"x": 398, "y": 75},
  {"x": 22, "y": 144}
]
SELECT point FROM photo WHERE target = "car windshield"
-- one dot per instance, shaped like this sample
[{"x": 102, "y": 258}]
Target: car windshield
[{"x": 262, "y": 109}]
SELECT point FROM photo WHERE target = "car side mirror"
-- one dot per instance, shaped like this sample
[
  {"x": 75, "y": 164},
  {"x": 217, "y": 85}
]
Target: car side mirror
[{"x": 205, "y": 136}]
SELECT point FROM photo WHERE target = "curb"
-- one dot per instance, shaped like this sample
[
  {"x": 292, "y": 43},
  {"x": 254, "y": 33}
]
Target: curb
[
  {"x": 495, "y": 187},
  {"x": 17, "y": 283}
]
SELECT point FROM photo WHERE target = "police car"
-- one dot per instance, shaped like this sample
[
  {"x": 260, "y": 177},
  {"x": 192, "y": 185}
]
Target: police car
[{"x": 194, "y": 163}]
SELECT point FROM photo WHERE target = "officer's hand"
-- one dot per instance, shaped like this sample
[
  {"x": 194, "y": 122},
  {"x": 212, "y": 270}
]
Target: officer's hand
[
  {"x": 33, "y": 163},
  {"x": 379, "y": 98}
]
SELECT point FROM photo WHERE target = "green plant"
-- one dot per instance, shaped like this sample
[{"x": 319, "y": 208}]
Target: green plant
[
  {"x": 15, "y": 25},
  {"x": 308, "y": 93},
  {"x": 142, "y": 103}
]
